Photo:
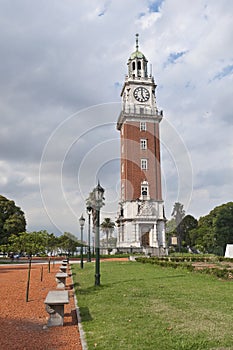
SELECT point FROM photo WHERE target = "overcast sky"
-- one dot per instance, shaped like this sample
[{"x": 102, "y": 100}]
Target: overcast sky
[{"x": 63, "y": 64}]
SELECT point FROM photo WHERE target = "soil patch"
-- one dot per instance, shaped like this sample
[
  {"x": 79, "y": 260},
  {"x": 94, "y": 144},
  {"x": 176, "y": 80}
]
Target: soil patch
[{"x": 22, "y": 323}]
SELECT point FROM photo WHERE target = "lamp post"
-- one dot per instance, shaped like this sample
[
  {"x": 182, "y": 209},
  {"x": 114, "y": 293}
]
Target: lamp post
[
  {"x": 98, "y": 193},
  {"x": 93, "y": 245},
  {"x": 81, "y": 222},
  {"x": 89, "y": 210},
  {"x": 94, "y": 202}
]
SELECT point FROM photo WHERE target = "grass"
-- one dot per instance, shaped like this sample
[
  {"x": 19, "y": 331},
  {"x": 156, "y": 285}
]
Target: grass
[{"x": 142, "y": 307}]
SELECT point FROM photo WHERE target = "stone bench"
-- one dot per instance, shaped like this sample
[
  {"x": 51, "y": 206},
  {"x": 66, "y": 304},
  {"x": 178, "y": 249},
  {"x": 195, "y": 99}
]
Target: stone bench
[
  {"x": 54, "y": 305},
  {"x": 63, "y": 268},
  {"x": 61, "y": 279}
]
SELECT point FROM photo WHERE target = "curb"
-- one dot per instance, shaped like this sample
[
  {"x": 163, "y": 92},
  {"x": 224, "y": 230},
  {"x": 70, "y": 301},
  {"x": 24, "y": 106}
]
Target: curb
[{"x": 80, "y": 327}]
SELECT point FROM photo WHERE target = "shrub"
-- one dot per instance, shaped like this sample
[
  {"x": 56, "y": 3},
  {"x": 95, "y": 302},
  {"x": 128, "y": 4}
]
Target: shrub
[{"x": 179, "y": 263}]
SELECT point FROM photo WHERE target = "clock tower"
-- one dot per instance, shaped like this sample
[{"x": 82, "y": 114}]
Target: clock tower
[{"x": 141, "y": 218}]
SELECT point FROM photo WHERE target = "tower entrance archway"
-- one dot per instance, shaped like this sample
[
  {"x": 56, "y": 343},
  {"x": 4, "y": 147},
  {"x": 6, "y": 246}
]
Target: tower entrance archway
[{"x": 145, "y": 241}]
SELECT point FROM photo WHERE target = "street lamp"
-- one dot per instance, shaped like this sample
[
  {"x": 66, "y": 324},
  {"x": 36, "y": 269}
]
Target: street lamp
[
  {"x": 98, "y": 194},
  {"x": 89, "y": 210},
  {"x": 81, "y": 222},
  {"x": 95, "y": 201}
]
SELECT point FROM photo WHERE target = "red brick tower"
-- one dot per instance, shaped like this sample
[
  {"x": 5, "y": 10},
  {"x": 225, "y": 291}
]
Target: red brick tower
[{"x": 141, "y": 221}]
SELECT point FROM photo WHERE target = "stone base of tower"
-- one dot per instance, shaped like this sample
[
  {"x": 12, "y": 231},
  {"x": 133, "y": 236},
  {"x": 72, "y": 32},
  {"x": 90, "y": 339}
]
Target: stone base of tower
[{"x": 141, "y": 227}]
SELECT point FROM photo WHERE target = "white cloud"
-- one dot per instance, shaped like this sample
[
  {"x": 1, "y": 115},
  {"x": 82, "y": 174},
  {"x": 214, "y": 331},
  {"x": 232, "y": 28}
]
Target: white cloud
[
  {"x": 60, "y": 57},
  {"x": 147, "y": 20}
]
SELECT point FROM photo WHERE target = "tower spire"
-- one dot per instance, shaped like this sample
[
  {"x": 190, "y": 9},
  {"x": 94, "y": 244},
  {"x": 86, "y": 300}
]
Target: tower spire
[{"x": 137, "y": 35}]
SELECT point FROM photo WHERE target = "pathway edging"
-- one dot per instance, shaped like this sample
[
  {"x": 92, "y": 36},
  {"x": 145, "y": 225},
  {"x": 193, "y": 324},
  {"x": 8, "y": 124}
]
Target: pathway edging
[{"x": 80, "y": 327}]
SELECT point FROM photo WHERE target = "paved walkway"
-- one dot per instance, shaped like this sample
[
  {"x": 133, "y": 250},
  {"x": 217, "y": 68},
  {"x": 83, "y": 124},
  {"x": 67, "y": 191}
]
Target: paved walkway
[{"x": 22, "y": 324}]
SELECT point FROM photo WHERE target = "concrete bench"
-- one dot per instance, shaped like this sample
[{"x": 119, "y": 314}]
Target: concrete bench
[
  {"x": 54, "y": 305},
  {"x": 61, "y": 279},
  {"x": 63, "y": 268}
]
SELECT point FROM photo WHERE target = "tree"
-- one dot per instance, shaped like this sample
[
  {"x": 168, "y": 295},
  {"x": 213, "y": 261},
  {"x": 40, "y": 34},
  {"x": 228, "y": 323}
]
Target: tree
[
  {"x": 223, "y": 226},
  {"x": 170, "y": 230},
  {"x": 30, "y": 243},
  {"x": 202, "y": 237},
  {"x": 52, "y": 243},
  {"x": 215, "y": 230},
  {"x": 187, "y": 224},
  {"x": 68, "y": 243},
  {"x": 107, "y": 227},
  {"x": 178, "y": 213},
  {"x": 12, "y": 220}
]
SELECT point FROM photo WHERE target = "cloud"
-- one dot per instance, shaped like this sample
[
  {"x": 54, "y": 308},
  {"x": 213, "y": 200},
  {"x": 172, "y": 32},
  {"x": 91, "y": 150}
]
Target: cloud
[{"x": 61, "y": 62}]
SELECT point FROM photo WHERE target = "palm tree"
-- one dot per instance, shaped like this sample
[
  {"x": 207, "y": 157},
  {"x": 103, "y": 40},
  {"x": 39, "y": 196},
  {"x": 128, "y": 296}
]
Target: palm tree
[{"x": 107, "y": 227}]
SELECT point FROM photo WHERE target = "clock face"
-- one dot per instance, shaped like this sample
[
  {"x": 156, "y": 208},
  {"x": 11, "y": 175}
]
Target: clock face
[{"x": 141, "y": 94}]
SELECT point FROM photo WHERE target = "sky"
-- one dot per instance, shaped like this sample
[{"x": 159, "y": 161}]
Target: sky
[{"x": 63, "y": 64}]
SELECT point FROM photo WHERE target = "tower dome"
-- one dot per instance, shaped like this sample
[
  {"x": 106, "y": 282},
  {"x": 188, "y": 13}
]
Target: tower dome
[
  {"x": 137, "y": 54},
  {"x": 137, "y": 63}
]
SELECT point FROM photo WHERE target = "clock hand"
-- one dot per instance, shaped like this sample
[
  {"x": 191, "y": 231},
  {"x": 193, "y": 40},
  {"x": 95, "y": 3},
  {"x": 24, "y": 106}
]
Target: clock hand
[{"x": 140, "y": 94}]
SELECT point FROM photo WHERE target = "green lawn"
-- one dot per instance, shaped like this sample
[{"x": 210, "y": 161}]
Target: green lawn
[{"x": 142, "y": 306}]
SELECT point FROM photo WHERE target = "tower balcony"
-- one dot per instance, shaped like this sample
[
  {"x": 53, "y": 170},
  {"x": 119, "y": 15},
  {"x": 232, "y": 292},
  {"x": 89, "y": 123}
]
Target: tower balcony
[
  {"x": 139, "y": 79},
  {"x": 136, "y": 112}
]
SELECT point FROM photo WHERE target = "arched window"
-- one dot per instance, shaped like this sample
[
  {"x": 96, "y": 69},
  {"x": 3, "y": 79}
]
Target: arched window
[
  {"x": 144, "y": 190},
  {"x": 139, "y": 64},
  {"x": 133, "y": 65}
]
